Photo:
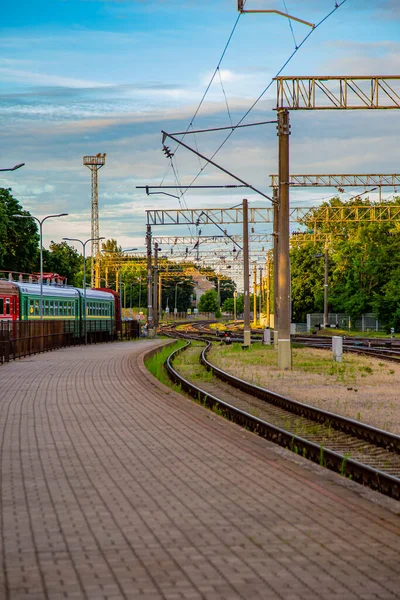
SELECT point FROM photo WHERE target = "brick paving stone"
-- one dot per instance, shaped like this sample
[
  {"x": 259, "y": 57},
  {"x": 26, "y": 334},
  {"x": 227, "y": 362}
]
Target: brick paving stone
[{"x": 114, "y": 487}]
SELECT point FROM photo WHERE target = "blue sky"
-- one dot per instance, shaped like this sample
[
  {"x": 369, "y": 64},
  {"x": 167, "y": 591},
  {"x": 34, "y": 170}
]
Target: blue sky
[{"x": 86, "y": 76}]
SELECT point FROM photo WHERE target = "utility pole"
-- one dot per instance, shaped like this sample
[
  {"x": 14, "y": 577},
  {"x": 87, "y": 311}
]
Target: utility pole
[
  {"x": 326, "y": 315},
  {"x": 149, "y": 284},
  {"x": 261, "y": 294},
  {"x": 268, "y": 290},
  {"x": 94, "y": 163},
  {"x": 160, "y": 294},
  {"x": 155, "y": 286},
  {"x": 246, "y": 274},
  {"x": 276, "y": 261},
  {"x": 255, "y": 295},
  {"x": 284, "y": 347}
]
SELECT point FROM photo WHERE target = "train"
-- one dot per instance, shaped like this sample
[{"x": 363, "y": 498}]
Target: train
[{"x": 20, "y": 301}]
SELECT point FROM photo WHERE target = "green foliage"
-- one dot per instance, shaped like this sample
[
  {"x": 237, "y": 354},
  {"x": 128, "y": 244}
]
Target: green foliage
[
  {"x": 364, "y": 270},
  {"x": 179, "y": 287},
  {"x": 209, "y": 301},
  {"x": 19, "y": 239},
  {"x": 226, "y": 287},
  {"x": 64, "y": 260},
  {"x": 111, "y": 246},
  {"x": 228, "y": 305}
]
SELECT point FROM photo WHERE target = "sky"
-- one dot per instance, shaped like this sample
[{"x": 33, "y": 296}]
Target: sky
[{"x": 79, "y": 77}]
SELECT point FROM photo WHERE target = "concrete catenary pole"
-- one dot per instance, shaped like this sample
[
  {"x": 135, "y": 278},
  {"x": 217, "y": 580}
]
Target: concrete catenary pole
[
  {"x": 155, "y": 288},
  {"x": 246, "y": 329},
  {"x": 149, "y": 283},
  {"x": 276, "y": 261},
  {"x": 326, "y": 315},
  {"x": 284, "y": 347}
]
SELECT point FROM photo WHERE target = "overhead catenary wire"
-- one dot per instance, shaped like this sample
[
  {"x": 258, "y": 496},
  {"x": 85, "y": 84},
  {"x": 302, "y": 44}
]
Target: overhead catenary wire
[
  {"x": 211, "y": 80},
  {"x": 288, "y": 60},
  {"x": 290, "y": 23}
]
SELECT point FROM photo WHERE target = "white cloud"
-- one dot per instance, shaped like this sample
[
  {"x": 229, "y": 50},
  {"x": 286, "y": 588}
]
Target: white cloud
[{"x": 18, "y": 75}]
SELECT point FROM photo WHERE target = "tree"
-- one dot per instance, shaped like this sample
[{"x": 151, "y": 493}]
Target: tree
[
  {"x": 184, "y": 288},
  {"x": 64, "y": 260},
  {"x": 19, "y": 239},
  {"x": 111, "y": 245},
  {"x": 229, "y": 306},
  {"x": 208, "y": 301},
  {"x": 363, "y": 266}
]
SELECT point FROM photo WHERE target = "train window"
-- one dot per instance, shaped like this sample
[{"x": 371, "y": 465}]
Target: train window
[
  {"x": 69, "y": 308},
  {"x": 37, "y": 312},
  {"x": 51, "y": 308},
  {"x": 1, "y": 306},
  {"x": 46, "y": 308},
  {"x": 56, "y": 308},
  {"x": 7, "y": 306}
]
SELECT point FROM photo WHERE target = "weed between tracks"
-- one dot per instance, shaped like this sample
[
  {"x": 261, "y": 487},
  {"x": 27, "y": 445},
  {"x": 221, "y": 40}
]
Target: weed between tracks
[
  {"x": 362, "y": 388},
  {"x": 155, "y": 364}
]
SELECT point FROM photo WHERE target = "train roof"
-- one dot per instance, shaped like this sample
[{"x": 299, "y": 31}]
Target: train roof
[
  {"x": 58, "y": 291},
  {"x": 96, "y": 294},
  {"x": 48, "y": 290},
  {"x": 8, "y": 287}
]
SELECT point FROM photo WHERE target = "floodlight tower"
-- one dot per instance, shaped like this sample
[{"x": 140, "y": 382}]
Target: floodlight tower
[{"x": 94, "y": 163}]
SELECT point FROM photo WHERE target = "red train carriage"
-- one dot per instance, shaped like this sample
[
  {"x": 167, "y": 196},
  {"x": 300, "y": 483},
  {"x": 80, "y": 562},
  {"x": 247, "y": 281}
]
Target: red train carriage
[
  {"x": 117, "y": 305},
  {"x": 9, "y": 301}
]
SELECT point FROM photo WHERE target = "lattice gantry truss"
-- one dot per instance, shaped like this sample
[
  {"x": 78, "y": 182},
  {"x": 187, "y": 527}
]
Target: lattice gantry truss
[
  {"x": 339, "y": 214},
  {"x": 340, "y": 92}
]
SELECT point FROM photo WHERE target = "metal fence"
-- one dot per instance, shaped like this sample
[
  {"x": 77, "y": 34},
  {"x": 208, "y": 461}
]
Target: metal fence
[
  {"x": 23, "y": 338},
  {"x": 367, "y": 322}
]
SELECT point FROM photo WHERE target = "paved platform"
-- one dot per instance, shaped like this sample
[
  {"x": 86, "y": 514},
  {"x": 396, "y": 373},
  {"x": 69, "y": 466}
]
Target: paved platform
[{"x": 113, "y": 486}]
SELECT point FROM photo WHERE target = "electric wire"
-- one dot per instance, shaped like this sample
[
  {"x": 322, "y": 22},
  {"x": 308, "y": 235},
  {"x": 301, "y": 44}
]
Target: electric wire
[
  {"x": 211, "y": 80},
  {"x": 288, "y": 60},
  {"x": 226, "y": 99},
  {"x": 290, "y": 23}
]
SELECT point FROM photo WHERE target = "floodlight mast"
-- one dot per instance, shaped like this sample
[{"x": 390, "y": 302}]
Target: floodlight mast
[{"x": 94, "y": 163}]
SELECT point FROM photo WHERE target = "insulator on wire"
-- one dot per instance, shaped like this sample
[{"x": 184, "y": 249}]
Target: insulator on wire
[{"x": 167, "y": 152}]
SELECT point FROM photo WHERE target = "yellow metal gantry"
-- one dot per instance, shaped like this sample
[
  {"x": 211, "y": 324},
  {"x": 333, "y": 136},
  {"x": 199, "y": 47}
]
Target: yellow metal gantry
[{"x": 338, "y": 92}]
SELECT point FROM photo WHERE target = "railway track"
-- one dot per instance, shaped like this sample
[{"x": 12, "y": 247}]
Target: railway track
[
  {"x": 363, "y": 453},
  {"x": 384, "y": 349}
]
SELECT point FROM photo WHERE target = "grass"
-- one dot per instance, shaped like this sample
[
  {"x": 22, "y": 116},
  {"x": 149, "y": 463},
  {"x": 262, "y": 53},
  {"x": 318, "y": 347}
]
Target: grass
[
  {"x": 305, "y": 360},
  {"x": 155, "y": 364}
]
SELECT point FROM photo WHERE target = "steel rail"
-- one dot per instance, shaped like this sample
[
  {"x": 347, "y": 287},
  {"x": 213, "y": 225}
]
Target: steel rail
[
  {"x": 363, "y": 474},
  {"x": 362, "y": 431}
]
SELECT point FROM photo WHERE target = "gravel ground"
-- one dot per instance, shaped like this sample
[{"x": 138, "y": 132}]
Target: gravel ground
[{"x": 362, "y": 388}]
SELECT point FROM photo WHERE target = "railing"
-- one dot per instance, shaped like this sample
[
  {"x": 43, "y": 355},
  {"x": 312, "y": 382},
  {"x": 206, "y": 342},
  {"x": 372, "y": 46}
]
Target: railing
[{"x": 23, "y": 338}]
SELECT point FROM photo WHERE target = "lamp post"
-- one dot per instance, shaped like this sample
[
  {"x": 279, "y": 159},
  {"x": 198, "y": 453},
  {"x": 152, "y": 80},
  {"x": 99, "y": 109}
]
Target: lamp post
[
  {"x": 234, "y": 305},
  {"x": 40, "y": 221},
  {"x": 84, "y": 276},
  {"x": 176, "y": 297}
]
